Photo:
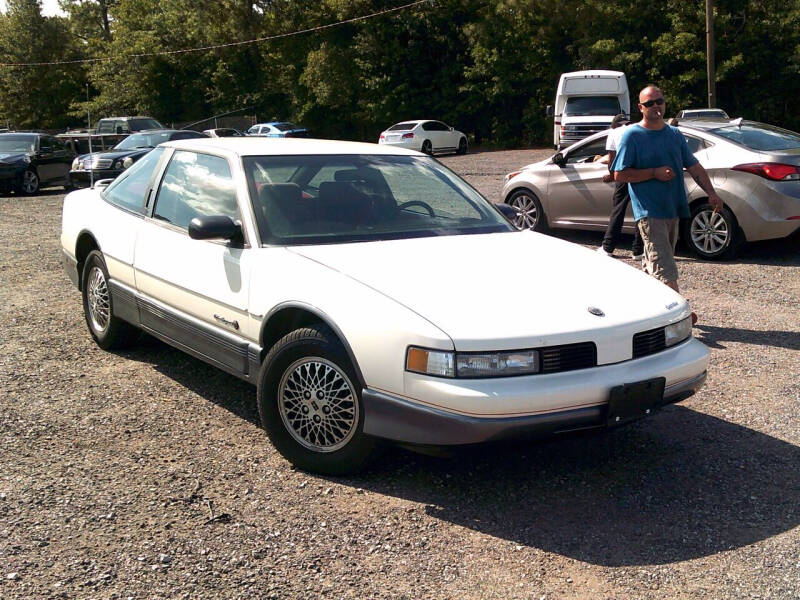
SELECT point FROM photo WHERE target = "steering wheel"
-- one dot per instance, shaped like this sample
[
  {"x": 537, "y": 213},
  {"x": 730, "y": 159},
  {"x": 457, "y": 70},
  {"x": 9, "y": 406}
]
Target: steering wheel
[{"x": 424, "y": 205}]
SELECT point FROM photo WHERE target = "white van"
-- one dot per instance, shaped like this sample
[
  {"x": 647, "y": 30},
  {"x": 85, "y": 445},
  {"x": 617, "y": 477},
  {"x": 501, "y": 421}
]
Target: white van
[{"x": 586, "y": 102}]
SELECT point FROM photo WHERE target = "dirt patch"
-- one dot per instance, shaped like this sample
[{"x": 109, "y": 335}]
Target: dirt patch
[{"x": 145, "y": 474}]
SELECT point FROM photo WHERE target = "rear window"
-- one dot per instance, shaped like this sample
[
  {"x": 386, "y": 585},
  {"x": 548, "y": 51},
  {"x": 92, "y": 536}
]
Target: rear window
[
  {"x": 402, "y": 127},
  {"x": 760, "y": 137},
  {"x": 588, "y": 106},
  {"x": 285, "y": 126}
]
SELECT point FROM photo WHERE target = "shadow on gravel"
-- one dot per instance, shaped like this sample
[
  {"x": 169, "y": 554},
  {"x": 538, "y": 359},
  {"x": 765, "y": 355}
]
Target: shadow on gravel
[
  {"x": 782, "y": 253},
  {"x": 678, "y": 486},
  {"x": 714, "y": 336}
]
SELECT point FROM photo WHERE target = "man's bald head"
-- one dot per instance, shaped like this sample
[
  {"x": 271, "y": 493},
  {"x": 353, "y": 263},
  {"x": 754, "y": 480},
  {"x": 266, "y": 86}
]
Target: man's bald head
[{"x": 650, "y": 91}]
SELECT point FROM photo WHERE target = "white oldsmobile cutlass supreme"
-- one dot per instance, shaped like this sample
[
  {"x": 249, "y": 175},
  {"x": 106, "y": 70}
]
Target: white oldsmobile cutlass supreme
[{"x": 363, "y": 289}]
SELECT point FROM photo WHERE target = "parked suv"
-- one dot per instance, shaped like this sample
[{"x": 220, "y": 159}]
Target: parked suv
[
  {"x": 118, "y": 125},
  {"x": 30, "y": 161}
]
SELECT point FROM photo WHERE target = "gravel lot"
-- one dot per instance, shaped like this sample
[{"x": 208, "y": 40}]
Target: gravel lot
[{"x": 146, "y": 475}]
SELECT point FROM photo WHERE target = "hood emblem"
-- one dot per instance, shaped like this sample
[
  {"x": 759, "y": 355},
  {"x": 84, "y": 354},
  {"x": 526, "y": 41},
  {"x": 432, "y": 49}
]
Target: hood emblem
[
  {"x": 596, "y": 312},
  {"x": 671, "y": 305}
]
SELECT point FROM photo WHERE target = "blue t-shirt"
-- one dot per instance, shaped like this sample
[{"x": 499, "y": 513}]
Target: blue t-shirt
[{"x": 641, "y": 148}]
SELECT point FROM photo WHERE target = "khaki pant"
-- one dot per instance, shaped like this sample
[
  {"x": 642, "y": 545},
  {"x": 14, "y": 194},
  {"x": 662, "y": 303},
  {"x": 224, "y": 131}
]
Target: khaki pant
[{"x": 659, "y": 237}]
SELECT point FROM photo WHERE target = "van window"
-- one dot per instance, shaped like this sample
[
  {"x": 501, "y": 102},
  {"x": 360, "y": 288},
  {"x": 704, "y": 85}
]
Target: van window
[{"x": 587, "y": 106}]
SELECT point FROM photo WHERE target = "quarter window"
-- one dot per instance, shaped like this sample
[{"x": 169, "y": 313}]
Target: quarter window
[
  {"x": 195, "y": 185},
  {"x": 129, "y": 189},
  {"x": 695, "y": 145}
]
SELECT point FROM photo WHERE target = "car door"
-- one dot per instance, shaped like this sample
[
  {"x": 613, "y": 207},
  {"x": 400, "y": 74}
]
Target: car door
[
  {"x": 576, "y": 193},
  {"x": 194, "y": 292}
]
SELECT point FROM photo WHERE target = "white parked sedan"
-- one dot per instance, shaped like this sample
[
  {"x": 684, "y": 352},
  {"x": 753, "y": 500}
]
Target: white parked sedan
[
  {"x": 360, "y": 287},
  {"x": 425, "y": 136}
]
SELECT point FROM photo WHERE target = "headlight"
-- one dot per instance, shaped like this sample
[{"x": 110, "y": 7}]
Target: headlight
[
  {"x": 677, "y": 332},
  {"x": 511, "y": 175},
  {"x": 472, "y": 364},
  {"x": 127, "y": 162},
  {"x": 77, "y": 164}
]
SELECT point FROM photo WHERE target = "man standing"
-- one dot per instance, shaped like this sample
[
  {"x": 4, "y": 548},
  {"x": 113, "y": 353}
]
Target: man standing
[
  {"x": 621, "y": 197},
  {"x": 651, "y": 157}
]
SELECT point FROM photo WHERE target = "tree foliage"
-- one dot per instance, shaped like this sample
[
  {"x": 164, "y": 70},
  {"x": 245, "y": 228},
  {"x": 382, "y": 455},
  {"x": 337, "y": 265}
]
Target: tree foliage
[{"x": 488, "y": 67}]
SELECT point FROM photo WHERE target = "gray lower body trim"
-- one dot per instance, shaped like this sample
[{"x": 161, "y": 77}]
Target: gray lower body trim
[
  {"x": 395, "y": 418},
  {"x": 71, "y": 268}
]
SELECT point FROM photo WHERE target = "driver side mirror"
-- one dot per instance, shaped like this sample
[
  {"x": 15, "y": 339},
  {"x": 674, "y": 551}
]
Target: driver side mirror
[
  {"x": 216, "y": 227},
  {"x": 559, "y": 159}
]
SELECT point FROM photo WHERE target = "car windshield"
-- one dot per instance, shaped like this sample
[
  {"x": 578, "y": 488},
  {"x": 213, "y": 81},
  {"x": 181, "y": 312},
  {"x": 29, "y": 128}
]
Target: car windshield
[
  {"x": 761, "y": 137},
  {"x": 139, "y": 124},
  {"x": 327, "y": 199},
  {"x": 586, "y": 106},
  {"x": 701, "y": 114},
  {"x": 285, "y": 126},
  {"x": 17, "y": 143},
  {"x": 402, "y": 127},
  {"x": 142, "y": 140}
]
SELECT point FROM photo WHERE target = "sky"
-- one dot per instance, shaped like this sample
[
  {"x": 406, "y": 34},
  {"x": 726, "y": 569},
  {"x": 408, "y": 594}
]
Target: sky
[{"x": 49, "y": 7}]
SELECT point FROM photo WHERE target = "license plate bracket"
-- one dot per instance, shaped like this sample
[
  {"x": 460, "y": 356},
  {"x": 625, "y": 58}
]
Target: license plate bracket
[{"x": 631, "y": 401}]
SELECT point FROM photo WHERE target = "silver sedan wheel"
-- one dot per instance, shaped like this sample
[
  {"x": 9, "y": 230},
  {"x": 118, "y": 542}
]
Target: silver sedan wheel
[
  {"x": 317, "y": 404},
  {"x": 710, "y": 232},
  {"x": 97, "y": 295},
  {"x": 30, "y": 182},
  {"x": 527, "y": 212}
]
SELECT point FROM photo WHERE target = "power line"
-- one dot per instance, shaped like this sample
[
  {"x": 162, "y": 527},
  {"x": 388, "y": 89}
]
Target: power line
[{"x": 217, "y": 46}]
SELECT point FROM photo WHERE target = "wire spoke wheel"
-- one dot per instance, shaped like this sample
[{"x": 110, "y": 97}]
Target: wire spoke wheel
[
  {"x": 317, "y": 404},
  {"x": 709, "y": 231},
  {"x": 98, "y": 301},
  {"x": 527, "y": 211}
]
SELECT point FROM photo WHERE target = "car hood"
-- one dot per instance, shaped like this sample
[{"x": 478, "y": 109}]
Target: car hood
[
  {"x": 115, "y": 154},
  {"x": 524, "y": 288},
  {"x": 12, "y": 157}
]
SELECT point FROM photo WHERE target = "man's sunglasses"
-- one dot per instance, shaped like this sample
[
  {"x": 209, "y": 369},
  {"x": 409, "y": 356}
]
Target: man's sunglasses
[{"x": 650, "y": 103}]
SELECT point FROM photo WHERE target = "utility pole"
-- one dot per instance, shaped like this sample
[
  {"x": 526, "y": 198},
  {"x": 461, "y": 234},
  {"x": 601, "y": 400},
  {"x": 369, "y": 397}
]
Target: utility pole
[{"x": 710, "y": 70}]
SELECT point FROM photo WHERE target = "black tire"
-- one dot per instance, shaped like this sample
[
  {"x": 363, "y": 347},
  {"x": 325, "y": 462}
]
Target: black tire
[
  {"x": 530, "y": 214},
  {"x": 427, "y": 147},
  {"x": 110, "y": 332},
  {"x": 297, "y": 411},
  {"x": 30, "y": 184},
  {"x": 462, "y": 146},
  {"x": 711, "y": 236}
]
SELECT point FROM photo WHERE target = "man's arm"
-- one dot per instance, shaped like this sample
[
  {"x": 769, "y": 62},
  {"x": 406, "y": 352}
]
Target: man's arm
[
  {"x": 630, "y": 175},
  {"x": 700, "y": 177}
]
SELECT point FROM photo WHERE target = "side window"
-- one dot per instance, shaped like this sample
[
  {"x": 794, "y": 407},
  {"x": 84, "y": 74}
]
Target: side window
[
  {"x": 429, "y": 126},
  {"x": 588, "y": 152},
  {"x": 45, "y": 144},
  {"x": 195, "y": 185},
  {"x": 695, "y": 144},
  {"x": 129, "y": 189}
]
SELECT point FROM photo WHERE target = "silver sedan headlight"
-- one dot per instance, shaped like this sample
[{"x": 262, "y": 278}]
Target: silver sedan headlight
[
  {"x": 442, "y": 363},
  {"x": 677, "y": 332}
]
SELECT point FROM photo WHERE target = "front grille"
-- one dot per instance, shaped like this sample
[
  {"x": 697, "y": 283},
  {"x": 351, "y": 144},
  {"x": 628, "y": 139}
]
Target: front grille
[
  {"x": 574, "y": 133},
  {"x": 103, "y": 163},
  {"x": 649, "y": 342},
  {"x": 569, "y": 357}
]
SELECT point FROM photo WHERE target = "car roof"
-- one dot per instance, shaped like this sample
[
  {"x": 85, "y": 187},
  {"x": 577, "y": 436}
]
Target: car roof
[
  {"x": 148, "y": 131},
  {"x": 255, "y": 146}
]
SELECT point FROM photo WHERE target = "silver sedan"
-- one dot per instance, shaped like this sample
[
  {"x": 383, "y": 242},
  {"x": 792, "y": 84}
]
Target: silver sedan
[{"x": 755, "y": 169}]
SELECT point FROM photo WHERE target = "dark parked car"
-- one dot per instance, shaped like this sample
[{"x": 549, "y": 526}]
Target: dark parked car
[
  {"x": 88, "y": 168},
  {"x": 30, "y": 161}
]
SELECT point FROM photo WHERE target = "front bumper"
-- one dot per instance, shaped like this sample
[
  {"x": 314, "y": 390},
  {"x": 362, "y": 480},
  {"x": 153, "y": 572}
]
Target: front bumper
[
  {"x": 84, "y": 179},
  {"x": 11, "y": 177},
  {"x": 397, "y": 419},
  {"x": 70, "y": 267},
  {"x": 473, "y": 411}
]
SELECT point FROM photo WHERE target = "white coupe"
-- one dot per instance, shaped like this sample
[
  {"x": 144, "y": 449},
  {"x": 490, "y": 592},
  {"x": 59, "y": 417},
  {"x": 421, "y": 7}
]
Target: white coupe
[{"x": 371, "y": 294}]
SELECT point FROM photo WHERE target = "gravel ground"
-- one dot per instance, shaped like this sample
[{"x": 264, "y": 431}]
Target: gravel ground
[{"x": 145, "y": 474}]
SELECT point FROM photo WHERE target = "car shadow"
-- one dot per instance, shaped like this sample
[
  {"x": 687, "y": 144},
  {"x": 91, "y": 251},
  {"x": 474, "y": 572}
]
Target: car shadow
[
  {"x": 677, "y": 486},
  {"x": 784, "y": 252},
  {"x": 713, "y": 337}
]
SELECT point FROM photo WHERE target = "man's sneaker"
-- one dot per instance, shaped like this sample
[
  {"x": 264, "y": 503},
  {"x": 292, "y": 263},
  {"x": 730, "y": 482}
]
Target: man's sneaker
[
  {"x": 605, "y": 252},
  {"x": 694, "y": 319},
  {"x": 639, "y": 256}
]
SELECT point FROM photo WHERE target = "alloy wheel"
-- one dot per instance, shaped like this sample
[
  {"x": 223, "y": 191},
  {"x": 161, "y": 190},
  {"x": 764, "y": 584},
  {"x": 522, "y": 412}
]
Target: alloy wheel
[
  {"x": 317, "y": 404},
  {"x": 527, "y": 211},
  {"x": 98, "y": 301},
  {"x": 709, "y": 231},
  {"x": 30, "y": 182}
]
